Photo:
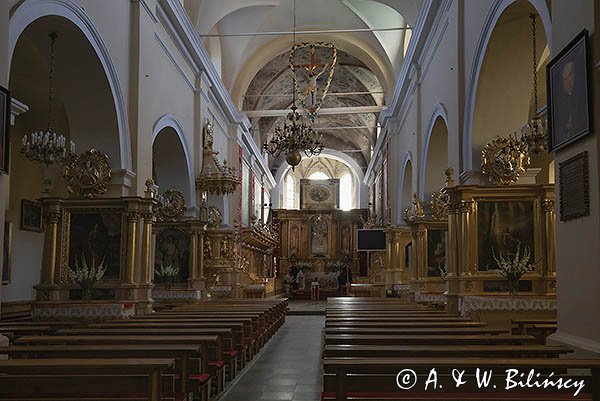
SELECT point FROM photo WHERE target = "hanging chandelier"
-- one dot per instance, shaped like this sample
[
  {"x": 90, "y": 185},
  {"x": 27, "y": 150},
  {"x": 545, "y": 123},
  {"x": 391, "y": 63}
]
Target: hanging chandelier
[
  {"x": 295, "y": 136},
  {"x": 534, "y": 134},
  {"x": 293, "y": 139},
  {"x": 48, "y": 147}
]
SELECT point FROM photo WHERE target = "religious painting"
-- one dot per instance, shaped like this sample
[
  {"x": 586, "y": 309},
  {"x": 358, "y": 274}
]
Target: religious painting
[
  {"x": 97, "y": 238},
  {"x": 408, "y": 256},
  {"x": 569, "y": 116},
  {"x": 436, "y": 252},
  {"x": 319, "y": 194},
  {"x": 503, "y": 227},
  {"x": 31, "y": 216},
  {"x": 345, "y": 241},
  {"x": 4, "y": 130},
  {"x": 294, "y": 248},
  {"x": 319, "y": 236},
  {"x": 7, "y": 260},
  {"x": 173, "y": 249}
]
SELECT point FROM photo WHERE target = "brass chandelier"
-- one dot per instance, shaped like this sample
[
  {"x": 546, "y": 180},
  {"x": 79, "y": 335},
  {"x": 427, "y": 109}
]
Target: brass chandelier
[
  {"x": 296, "y": 137},
  {"x": 47, "y": 147}
]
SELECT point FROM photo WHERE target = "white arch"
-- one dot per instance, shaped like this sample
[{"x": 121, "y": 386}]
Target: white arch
[
  {"x": 407, "y": 159},
  {"x": 438, "y": 111},
  {"x": 170, "y": 121},
  {"x": 30, "y": 10},
  {"x": 494, "y": 14}
]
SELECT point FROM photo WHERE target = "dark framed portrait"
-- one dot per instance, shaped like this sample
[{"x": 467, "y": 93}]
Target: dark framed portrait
[
  {"x": 7, "y": 262},
  {"x": 173, "y": 248},
  {"x": 569, "y": 102},
  {"x": 31, "y": 216},
  {"x": 4, "y": 129},
  {"x": 501, "y": 227}
]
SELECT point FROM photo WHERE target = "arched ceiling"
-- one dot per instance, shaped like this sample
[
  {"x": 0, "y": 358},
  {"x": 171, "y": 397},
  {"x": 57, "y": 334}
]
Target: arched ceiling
[{"x": 251, "y": 47}]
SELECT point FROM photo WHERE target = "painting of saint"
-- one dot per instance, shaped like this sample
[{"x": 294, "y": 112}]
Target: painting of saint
[
  {"x": 503, "y": 226},
  {"x": 319, "y": 236},
  {"x": 97, "y": 238},
  {"x": 436, "y": 252},
  {"x": 345, "y": 240},
  {"x": 172, "y": 248},
  {"x": 294, "y": 239}
]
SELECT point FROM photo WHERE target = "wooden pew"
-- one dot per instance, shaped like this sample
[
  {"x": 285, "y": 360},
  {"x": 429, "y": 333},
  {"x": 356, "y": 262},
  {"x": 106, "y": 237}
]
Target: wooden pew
[
  {"x": 448, "y": 339},
  {"x": 383, "y": 330},
  {"x": 357, "y": 377},
  {"x": 429, "y": 350},
  {"x": 519, "y": 326},
  {"x": 27, "y": 379},
  {"x": 187, "y": 357}
]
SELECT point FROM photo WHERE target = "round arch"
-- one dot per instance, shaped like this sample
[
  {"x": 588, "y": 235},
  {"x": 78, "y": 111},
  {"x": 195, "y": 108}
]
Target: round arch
[
  {"x": 166, "y": 123},
  {"x": 494, "y": 13},
  {"x": 439, "y": 116},
  {"x": 404, "y": 195},
  {"x": 345, "y": 42},
  {"x": 31, "y": 10}
]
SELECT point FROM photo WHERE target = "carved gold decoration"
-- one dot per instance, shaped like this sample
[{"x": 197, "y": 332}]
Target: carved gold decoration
[
  {"x": 416, "y": 212},
  {"x": 215, "y": 178},
  {"x": 171, "y": 205},
  {"x": 88, "y": 175},
  {"x": 215, "y": 218},
  {"x": 151, "y": 189},
  {"x": 504, "y": 160}
]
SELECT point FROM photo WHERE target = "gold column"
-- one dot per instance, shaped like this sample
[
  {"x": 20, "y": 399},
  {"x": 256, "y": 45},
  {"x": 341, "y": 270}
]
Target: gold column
[
  {"x": 193, "y": 254},
  {"x": 453, "y": 234},
  {"x": 389, "y": 238},
  {"x": 132, "y": 222},
  {"x": 550, "y": 219},
  {"x": 52, "y": 216},
  {"x": 200, "y": 269},
  {"x": 421, "y": 253},
  {"x": 398, "y": 252},
  {"x": 466, "y": 264},
  {"x": 147, "y": 249}
]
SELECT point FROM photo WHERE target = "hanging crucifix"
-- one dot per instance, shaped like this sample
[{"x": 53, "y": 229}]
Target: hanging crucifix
[{"x": 314, "y": 70}]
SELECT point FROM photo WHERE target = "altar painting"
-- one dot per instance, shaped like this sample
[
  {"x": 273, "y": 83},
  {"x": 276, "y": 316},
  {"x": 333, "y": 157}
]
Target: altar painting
[
  {"x": 319, "y": 236},
  {"x": 172, "y": 249},
  {"x": 503, "y": 226},
  {"x": 436, "y": 252}
]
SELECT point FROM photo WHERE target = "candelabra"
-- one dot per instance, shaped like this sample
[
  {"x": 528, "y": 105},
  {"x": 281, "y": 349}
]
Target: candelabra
[{"x": 47, "y": 148}]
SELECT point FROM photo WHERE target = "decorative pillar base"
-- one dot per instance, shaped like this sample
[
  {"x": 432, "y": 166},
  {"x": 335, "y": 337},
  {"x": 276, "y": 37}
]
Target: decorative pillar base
[{"x": 50, "y": 292}]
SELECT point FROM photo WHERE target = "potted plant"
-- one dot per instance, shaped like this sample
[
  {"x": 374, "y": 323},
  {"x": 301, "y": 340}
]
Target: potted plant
[
  {"x": 166, "y": 274},
  {"x": 86, "y": 276},
  {"x": 513, "y": 269}
]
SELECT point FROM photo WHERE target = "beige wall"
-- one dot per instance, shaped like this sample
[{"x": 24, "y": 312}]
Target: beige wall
[{"x": 577, "y": 253}]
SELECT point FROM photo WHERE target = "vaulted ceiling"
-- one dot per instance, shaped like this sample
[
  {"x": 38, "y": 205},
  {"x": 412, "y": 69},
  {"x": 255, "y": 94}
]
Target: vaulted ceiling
[{"x": 249, "y": 42}]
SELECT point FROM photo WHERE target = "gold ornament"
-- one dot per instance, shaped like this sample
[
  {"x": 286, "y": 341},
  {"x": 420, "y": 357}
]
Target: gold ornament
[
  {"x": 504, "y": 160},
  {"x": 215, "y": 178},
  {"x": 88, "y": 175},
  {"x": 416, "y": 212},
  {"x": 171, "y": 205},
  {"x": 215, "y": 218}
]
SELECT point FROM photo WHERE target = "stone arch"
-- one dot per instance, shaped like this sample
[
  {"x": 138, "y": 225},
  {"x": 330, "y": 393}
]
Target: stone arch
[
  {"x": 405, "y": 189},
  {"x": 434, "y": 155}
]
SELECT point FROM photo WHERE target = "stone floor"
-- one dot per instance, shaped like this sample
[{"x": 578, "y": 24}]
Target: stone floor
[
  {"x": 300, "y": 307},
  {"x": 288, "y": 368}
]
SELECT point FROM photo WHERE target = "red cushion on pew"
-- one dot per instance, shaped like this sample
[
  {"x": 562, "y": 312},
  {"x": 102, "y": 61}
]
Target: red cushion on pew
[
  {"x": 218, "y": 364},
  {"x": 232, "y": 354},
  {"x": 199, "y": 377}
]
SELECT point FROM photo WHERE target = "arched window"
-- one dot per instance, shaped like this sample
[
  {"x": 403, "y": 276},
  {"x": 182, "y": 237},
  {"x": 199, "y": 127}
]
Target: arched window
[
  {"x": 318, "y": 175},
  {"x": 290, "y": 192},
  {"x": 345, "y": 189}
]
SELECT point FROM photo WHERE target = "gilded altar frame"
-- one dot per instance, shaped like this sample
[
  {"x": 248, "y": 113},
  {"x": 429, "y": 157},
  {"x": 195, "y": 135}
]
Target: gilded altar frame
[
  {"x": 134, "y": 280},
  {"x": 464, "y": 238}
]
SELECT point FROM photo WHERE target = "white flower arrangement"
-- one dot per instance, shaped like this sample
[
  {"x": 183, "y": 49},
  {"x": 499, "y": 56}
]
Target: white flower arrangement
[
  {"x": 333, "y": 266},
  {"x": 515, "y": 268},
  {"x": 304, "y": 265},
  {"x": 443, "y": 271},
  {"x": 166, "y": 274},
  {"x": 86, "y": 276}
]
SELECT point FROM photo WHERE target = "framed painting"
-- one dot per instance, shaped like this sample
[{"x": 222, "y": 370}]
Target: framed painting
[
  {"x": 173, "y": 248},
  {"x": 31, "y": 216},
  {"x": 4, "y": 129},
  {"x": 7, "y": 259},
  {"x": 96, "y": 237},
  {"x": 503, "y": 226},
  {"x": 569, "y": 110},
  {"x": 436, "y": 252}
]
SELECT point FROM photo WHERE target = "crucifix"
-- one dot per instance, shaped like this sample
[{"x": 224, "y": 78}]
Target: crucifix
[{"x": 311, "y": 69}]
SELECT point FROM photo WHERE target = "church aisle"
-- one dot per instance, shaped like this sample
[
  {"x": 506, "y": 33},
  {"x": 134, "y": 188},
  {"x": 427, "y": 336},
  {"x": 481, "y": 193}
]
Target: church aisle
[{"x": 289, "y": 367}]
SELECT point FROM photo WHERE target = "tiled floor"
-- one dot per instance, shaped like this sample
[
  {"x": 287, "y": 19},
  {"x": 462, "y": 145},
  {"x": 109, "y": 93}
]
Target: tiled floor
[{"x": 288, "y": 368}]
